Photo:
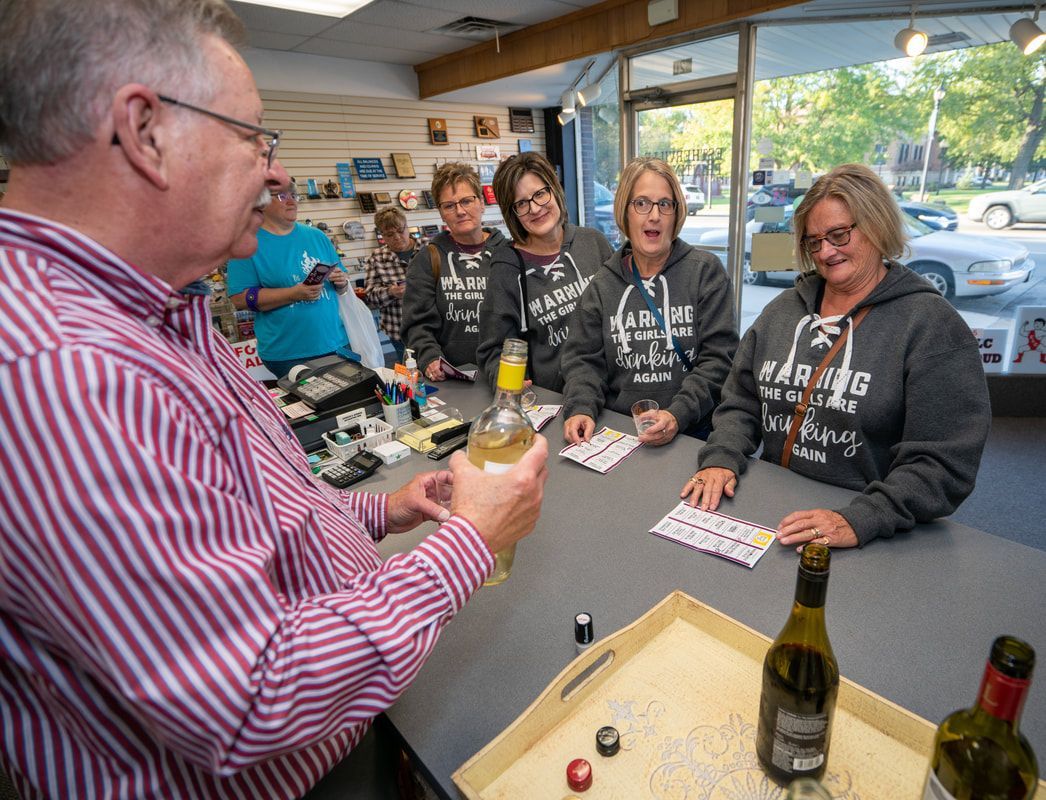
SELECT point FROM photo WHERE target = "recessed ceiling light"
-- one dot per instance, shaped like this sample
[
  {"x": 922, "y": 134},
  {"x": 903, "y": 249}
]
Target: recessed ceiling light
[{"x": 327, "y": 8}]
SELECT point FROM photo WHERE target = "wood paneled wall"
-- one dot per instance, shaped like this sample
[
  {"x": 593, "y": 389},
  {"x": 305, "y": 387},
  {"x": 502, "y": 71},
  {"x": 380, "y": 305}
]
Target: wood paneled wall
[{"x": 320, "y": 130}]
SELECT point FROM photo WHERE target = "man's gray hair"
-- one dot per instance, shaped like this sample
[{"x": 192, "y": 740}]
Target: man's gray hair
[{"x": 62, "y": 62}]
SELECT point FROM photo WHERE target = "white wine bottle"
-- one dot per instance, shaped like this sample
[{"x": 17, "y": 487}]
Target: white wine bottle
[
  {"x": 800, "y": 681},
  {"x": 979, "y": 754},
  {"x": 502, "y": 434}
]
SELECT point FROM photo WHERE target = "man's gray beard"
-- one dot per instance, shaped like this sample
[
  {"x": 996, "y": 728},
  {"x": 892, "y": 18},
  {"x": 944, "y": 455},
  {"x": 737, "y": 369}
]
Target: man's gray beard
[{"x": 264, "y": 198}]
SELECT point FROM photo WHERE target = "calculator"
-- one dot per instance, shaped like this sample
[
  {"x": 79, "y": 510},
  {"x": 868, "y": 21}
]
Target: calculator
[{"x": 360, "y": 466}]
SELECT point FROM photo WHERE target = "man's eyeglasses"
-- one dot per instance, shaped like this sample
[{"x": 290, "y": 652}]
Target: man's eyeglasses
[
  {"x": 644, "y": 205},
  {"x": 540, "y": 198},
  {"x": 272, "y": 138},
  {"x": 465, "y": 202},
  {"x": 389, "y": 232},
  {"x": 284, "y": 197},
  {"x": 837, "y": 237}
]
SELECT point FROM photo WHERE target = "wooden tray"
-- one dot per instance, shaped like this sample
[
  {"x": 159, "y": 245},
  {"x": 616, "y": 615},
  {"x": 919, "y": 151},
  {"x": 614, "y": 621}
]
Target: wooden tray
[{"x": 682, "y": 685}]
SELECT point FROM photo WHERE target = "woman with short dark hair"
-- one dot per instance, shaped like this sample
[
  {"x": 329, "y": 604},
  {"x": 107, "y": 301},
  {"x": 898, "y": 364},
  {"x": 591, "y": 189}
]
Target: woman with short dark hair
[
  {"x": 536, "y": 285},
  {"x": 900, "y": 411}
]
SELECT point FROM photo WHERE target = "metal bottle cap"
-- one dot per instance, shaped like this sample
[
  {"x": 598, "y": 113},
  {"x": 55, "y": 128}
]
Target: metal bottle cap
[
  {"x": 608, "y": 741},
  {"x": 583, "y": 632},
  {"x": 579, "y": 775}
]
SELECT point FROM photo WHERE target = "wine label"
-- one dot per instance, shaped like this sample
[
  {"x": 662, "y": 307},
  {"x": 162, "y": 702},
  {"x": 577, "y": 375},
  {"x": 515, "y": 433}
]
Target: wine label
[
  {"x": 494, "y": 468},
  {"x": 799, "y": 740},
  {"x": 934, "y": 790}
]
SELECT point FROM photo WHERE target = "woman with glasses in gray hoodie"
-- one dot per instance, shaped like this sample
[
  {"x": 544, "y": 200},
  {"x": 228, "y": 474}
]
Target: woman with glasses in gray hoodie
[
  {"x": 656, "y": 322},
  {"x": 899, "y": 406}
]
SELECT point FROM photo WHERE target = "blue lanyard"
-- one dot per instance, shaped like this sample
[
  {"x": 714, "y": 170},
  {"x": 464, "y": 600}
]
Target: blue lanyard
[{"x": 657, "y": 315}]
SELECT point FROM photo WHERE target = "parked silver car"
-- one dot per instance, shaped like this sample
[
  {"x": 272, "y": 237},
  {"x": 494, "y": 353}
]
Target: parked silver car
[
  {"x": 957, "y": 264},
  {"x": 1002, "y": 209}
]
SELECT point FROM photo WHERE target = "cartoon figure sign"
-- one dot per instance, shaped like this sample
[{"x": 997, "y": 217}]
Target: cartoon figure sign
[{"x": 1028, "y": 354}]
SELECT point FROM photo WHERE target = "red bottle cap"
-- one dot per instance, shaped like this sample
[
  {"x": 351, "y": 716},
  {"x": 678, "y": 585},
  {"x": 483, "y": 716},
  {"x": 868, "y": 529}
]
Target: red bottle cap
[{"x": 579, "y": 774}]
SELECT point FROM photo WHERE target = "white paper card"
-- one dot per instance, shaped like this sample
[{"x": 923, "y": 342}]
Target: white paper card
[
  {"x": 605, "y": 451},
  {"x": 541, "y": 415},
  {"x": 804, "y": 179},
  {"x": 299, "y": 409},
  {"x": 714, "y": 533},
  {"x": 769, "y": 213},
  {"x": 992, "y": 344},
  {"x": 1028, "y": 351}
]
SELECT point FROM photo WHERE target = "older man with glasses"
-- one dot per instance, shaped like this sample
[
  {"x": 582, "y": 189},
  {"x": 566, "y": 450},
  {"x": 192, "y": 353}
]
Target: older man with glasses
[
  {"x": 386, "y": 268},
  {"x": 187, "y": 612},
  {"x": 296, "y": 317}
]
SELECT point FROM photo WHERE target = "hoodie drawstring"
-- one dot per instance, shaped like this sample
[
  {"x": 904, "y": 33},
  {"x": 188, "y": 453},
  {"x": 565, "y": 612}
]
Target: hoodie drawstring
[{"x": 822, "y": 328}]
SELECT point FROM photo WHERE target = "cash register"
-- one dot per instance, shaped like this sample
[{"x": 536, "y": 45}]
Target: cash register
[{"x": 331, "y": 385}]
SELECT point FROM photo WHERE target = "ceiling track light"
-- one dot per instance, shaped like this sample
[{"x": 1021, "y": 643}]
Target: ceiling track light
[
  {"x": 588, "y": 94},
  {"x": 565, "y": 117},
  {"x": 910, "y": 40},
  {"x": 1027, "y": 35},
  {"x": 568, "y": 101}
]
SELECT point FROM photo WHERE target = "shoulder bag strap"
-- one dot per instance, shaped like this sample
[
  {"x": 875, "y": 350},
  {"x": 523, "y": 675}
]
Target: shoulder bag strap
[
  {"x": 435, "y": 260},
  {"x": 657, "y": 315},
  {"x": 804, "y": 404}
]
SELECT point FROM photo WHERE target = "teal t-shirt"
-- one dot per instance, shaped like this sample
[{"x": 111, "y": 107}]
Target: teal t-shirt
[{"x": 300, "y": 329}]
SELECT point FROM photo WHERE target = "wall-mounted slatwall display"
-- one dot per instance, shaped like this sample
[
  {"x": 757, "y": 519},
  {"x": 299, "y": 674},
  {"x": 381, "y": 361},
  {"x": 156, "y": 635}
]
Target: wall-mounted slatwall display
[{"x": 320, "y": 131}]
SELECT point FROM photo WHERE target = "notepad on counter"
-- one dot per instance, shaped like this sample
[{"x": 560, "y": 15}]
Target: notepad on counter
[{"x": 715, "y": 533}]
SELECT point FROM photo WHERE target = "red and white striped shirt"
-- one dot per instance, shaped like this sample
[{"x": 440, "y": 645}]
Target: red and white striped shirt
[{"x": 185, "y": 611}]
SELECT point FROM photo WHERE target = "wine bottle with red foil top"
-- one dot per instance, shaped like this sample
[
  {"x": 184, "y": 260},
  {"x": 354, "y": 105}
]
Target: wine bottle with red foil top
[{"x": 979, "y": 753}]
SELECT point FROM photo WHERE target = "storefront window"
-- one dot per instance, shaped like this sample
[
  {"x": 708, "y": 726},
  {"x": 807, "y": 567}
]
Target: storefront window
[{"x": 601, "y": 156}]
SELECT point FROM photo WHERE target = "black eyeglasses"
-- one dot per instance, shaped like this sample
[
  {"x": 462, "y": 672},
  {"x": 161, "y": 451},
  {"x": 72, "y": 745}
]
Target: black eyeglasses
[
  {"x": 272, "y": 137},
  {"x": 540, "y": 198},
  {"x": 465, "y": 202},
  {"x": 644, "y": 205},
  {"x": 837, "y": 237}
]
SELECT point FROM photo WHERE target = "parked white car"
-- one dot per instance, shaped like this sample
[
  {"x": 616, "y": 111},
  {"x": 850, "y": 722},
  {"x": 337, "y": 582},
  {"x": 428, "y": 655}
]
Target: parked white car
[
  {"x": 1002, "y": 209},
  {"x": 957, "y": 264},
  {"x": 695, "y": 198}
]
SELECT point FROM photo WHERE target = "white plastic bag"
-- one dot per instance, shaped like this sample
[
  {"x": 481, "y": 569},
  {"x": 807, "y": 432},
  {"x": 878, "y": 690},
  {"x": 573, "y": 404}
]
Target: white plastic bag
[{"x": 359, "y": 325}]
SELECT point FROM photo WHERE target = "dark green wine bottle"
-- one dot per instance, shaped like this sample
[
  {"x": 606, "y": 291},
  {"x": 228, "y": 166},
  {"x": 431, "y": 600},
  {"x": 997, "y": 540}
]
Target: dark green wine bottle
[
  {"x": 800, "y": 681},
  {"x": 979, "y": 754}
]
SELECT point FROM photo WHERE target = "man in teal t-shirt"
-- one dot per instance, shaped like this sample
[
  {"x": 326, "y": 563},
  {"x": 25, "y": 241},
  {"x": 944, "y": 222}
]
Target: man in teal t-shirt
[{"x": 293, "y": 322}]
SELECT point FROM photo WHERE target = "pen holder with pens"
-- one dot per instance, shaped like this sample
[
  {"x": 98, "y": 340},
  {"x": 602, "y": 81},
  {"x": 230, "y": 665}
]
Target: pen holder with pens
[{"x": 397, "y": 415}]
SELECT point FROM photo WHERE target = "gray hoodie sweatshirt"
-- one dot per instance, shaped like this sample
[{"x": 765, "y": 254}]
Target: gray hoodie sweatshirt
[
  {"x": 617, "y": 352},
  {"x": 441, "y": 317},
  {"x": 900, "y": 415},
  {"x": 553, "y": 294}
]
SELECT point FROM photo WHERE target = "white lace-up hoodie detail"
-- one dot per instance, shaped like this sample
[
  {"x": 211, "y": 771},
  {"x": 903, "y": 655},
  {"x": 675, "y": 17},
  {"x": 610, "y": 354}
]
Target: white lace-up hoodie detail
[
  {"x": 617, "y": 321},
  {"x": 822, "y": 328}
]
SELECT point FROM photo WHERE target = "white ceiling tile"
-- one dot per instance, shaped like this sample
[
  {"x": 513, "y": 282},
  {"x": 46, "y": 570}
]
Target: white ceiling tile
[
  {"x": 269, "y": 40},
  {"x": 390, "y": 55},
  {"x": 260, "y": 18},
  {"x": 404, "y": 16},
  {"x": 350, "y": 30}
]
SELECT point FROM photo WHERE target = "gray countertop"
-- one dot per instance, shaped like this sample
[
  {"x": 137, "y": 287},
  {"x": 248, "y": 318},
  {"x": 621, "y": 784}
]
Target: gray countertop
[{"x": 911, "y": 618}]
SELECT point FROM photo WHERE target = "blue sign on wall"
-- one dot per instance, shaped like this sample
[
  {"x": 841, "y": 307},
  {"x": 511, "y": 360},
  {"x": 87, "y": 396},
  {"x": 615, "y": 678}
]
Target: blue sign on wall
[
  {"x": 348, "y": 188},
  {"x": 369, "y": 169}
]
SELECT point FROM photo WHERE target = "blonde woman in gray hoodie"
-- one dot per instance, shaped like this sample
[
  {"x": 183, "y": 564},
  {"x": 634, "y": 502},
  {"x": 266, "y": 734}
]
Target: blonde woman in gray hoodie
[
  {"x": 899, "y": 414},
  {"x": 656, "y": 322}
]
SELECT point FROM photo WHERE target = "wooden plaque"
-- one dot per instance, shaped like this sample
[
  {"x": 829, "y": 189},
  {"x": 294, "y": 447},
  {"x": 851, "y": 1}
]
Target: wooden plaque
[
  {"x": 403, "y": 165},
  {"x": 383, "y": 197},
  {"x": 438, "y": 131},
  {"x": 521, "y": 120},
  {"x": 367, "y": 204},
  {"x": 487, "y": 127}
]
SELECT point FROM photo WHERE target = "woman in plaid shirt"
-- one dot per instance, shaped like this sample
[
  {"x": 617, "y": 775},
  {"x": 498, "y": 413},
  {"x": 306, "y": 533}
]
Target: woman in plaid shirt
[{"x": 387, "y": 272}]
